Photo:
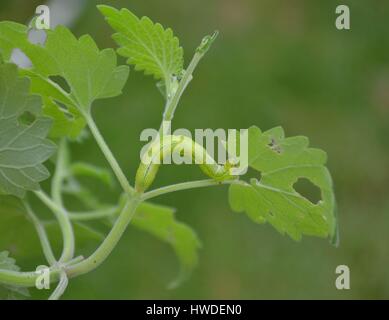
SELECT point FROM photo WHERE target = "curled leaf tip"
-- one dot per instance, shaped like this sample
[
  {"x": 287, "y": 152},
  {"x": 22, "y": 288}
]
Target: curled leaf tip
[{"x": 207, "y": 42}]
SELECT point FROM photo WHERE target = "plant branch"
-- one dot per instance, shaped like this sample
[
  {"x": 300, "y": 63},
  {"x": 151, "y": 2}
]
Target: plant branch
[
  {"x": 64, "y": 223},
  {"x": 110, "y": 242},
  {"x": 187, "y": 77},
  {"x": 78, "y": 266},
  {"x": 93, "y": 215},
  {"x": 185, "y": 186},
  {"x": 45, "y": 243},
  {"x": 26, "y": 279},
  {"x": 109, "y": 156},
  {"x": 61, "y": 287},
  {"x": 60, "y": 173}
]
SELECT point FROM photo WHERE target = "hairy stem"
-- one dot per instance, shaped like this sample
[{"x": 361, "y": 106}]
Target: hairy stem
[
  {"x": 64, "y": 223},
  {"x": 109, "y": 156}
]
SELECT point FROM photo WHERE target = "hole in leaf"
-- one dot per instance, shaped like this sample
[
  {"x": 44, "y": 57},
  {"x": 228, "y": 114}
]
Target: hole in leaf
[
  {"x": 65, "y": 110},
  {"x": 19, "y": 58},
  {"x": 37, "y": 36},
  {"x": 61, "y": 82},
  {"x": 275, "y": 146},
  {"x": 308, "y": 190},
  {"x": 26, "y": 118}
]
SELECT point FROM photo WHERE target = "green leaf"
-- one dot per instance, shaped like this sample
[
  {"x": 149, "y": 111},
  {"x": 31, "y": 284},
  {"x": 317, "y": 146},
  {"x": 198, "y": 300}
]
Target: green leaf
[
  {"x": 281, "y": 162},
  {"x": 148, "y": 46},
  {"x": 66, "y": 122},
  {"x": 90, "y": 74},
  {"x": 10, "y": 292},
  {"x": 74, "y": 187},
  {"x": 23, "y": 148},
  {"x": 11, "y": 33},
  {"x": 160, "y": 222},
  {"x": 83, "y": 169}
]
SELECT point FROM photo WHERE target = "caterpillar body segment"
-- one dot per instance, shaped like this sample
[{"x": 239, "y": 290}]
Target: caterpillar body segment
[{"x": 166, "y": 148}]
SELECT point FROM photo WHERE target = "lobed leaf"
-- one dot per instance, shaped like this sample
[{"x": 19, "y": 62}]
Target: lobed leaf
[
  {"x": 147, "y": 45},
  {"x": 23, "y": 147},
  {"x": 281, "y": 162},
  {"x": 89, "y": 73}
]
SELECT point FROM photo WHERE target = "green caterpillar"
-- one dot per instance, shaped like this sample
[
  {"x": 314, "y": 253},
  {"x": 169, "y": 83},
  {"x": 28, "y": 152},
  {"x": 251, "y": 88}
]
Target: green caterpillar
[{"x": 167, "y": 146}]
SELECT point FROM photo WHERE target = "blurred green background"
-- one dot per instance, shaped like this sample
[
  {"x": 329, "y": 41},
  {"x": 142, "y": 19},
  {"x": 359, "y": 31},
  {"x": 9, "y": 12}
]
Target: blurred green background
[{"x": 276, "y": 62}]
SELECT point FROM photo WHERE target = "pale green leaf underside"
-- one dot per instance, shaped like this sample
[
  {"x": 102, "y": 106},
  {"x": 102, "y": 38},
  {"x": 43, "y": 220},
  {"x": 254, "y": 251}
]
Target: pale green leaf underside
[
  {"x": 23, "y": 148},
  {"x": 91, "y": 74},
  {"x": 281, "y": 162},
  {"x": 67, "y": 119},
  {"x": 10, "y": 292},
  {"x": 148, "y": 46},
  {"x": 66, "y": 123},
  {"x": 160, "y": 221}
]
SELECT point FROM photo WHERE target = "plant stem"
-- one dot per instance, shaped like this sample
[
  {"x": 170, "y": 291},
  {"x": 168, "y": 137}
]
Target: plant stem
[
  {"x": 60, "y": 173},
  {"x": 61, "y": 287},
  {"x": 186, "y": 185},
  {"x": 108, "y": 155},
  {"x": 93, "y": 215},
  {"x": 64, "y": 223},
  {"x": 26, "y": 279},
  {"x": 109, "y": 242},
  {"x": 172, "y": 105},
  {"x": 45, "y": 243}
]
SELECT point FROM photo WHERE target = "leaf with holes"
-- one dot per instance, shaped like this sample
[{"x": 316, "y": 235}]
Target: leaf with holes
[
  {"x": 10, "y": 292},
  {"x": 148, "y": 46},
  {"x": 23, "y": 147},
  {"x": 281, "y": 162},
  {"x": 90, "y": 74},
  {"x": 68, "y": 121}
]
